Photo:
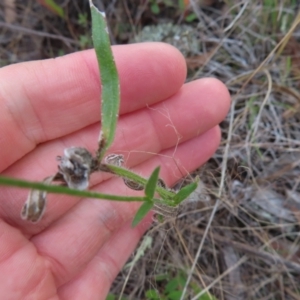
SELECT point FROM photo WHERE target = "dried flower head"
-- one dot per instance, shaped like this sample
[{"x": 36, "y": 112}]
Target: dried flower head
[
  {"x": 75, "y": 167},
  {"x": 74, "y": 170}
]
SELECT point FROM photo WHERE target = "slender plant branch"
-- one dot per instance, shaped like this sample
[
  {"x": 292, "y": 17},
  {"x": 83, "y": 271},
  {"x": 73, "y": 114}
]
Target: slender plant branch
[
  {"x": 57, "y": 189},
  {"x": 125, "y": 173}
]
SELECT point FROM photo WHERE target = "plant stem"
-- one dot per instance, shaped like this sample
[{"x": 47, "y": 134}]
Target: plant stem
[
  {"x": 56, "y": 189},
  {"x": 122, "y": 172}
]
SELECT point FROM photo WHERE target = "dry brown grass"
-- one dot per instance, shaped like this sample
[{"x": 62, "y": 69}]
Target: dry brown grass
[{"x": 247, "y": 214}]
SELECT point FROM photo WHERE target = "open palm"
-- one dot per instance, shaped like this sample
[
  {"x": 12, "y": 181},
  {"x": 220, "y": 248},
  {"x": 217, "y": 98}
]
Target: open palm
[{"x": 80, "y": 245}]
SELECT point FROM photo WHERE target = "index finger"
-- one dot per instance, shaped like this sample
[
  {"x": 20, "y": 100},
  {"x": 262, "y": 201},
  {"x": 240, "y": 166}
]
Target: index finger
[{"x": 44, "y": 100}]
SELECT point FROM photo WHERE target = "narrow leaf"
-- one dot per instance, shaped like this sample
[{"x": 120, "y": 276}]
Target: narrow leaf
[
  {"x": 151, "y": 184},
  {"x": 184, "y": 192},
  {"x": 110, "y": 93},
  {"x": 52, "y": 6},
  {"x": 142, "y": 212}
]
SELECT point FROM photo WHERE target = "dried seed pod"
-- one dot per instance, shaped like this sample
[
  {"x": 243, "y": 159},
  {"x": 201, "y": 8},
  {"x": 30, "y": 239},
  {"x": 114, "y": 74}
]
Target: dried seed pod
[
  {"x": 114, "y": 159},
  {"x": 75, "y": 166},
  {"x": 133, "y": 185},
  {"x": 35, "y": 204},
  {"x": 118, "y": 160},
  {"x": 161, "y": 183},
  {"x": 139, "y": 187}
]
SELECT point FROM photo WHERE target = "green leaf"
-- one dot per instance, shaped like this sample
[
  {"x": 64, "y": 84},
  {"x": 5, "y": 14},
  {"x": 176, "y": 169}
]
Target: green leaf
[
  {"x": 56, "y": 189},
  {"x": 113, "y": 297},
  {"x": 191, "y": 17},
  {"x": 55, "y": 8},
  {"x": 155, "y": 8},
  {"x": 184, "y": 192},
  {"x": 142, "y": 212},
  {"x": 161, "y": 277},
  {"x": 152, "y": 295},
  {"x": 110, "y": 93},
  {"x": 151, "y": 184},
  {"x": 174, "y": 284},
  {"x": 159, "y": 218},
  {"x": 207, "y": 296},
  {"x": 175, "y": 295},
  {"x": 181, "y": 5}
]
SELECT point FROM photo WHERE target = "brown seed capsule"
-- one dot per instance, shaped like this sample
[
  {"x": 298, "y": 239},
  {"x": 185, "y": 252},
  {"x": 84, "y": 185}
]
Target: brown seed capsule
[
  {"x": 133, "y": 185},
  {"x": 35, "y": 204}
]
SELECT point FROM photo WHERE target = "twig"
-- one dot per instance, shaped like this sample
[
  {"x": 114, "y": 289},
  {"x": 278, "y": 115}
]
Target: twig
[
  {"x": 67, "y": 41},
  {"x": 269, "y": 257},
  {"x": 224, "y": 165}
]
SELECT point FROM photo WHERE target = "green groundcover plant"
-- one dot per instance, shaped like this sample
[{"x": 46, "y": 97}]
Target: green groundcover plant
[
  {"x": 171, "y": 290},
  {"x": 77, "y": 163}
]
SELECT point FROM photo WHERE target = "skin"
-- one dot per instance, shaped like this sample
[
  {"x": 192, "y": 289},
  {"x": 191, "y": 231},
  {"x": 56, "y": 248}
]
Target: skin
[{"x": 80, "y": 245}]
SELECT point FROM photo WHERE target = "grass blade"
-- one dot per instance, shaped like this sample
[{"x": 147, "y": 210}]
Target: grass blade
[
  {"x": 52, "y": 6},
  {"x": 110, "y": 94},
  {"x": 151, "y": 184},
  {"x": 184, "y": 192},
  {"x": 142, "y": 212}
]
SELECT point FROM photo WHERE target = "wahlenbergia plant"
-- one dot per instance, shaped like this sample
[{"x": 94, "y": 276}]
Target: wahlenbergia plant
[{"x": 77, "y": 163}]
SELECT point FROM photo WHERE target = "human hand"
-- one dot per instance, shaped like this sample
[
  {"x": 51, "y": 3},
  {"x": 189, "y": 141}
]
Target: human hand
[{"x": 79, "y": 246}]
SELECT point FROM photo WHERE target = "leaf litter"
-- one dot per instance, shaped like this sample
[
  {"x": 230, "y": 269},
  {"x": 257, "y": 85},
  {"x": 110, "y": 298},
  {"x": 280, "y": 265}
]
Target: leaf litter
[{"x": 252, "y": 249}]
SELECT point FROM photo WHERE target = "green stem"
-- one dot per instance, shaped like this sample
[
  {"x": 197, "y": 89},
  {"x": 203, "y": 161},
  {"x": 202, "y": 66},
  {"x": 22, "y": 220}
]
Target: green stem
[
  {"x": 122, "y": 172},
  {"x": 56, "y": 189}
]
